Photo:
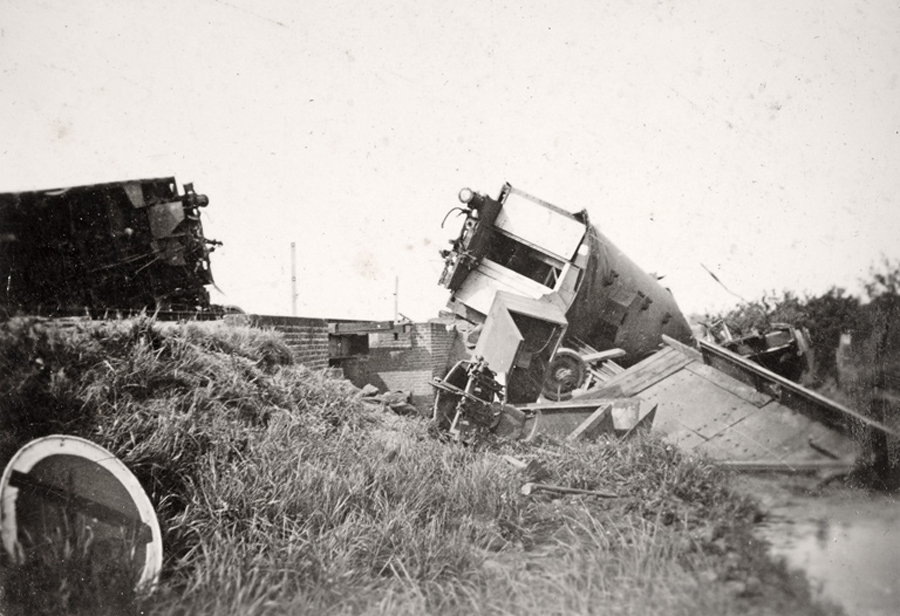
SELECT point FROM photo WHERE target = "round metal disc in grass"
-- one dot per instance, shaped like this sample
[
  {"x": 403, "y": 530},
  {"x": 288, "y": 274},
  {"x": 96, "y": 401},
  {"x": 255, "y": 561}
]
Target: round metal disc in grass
[{"x": 69, "y": 503}]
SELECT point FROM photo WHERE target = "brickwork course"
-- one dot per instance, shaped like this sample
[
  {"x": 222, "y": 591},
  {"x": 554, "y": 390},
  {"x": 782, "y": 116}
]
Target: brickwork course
[
  {"x": 307, "y": 338},
  {"x": 404, "y": 359}
]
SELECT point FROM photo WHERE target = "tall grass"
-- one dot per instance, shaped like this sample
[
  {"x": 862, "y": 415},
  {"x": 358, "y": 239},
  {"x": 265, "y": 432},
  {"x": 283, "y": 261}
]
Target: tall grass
[{"x": 279, "y": 492}]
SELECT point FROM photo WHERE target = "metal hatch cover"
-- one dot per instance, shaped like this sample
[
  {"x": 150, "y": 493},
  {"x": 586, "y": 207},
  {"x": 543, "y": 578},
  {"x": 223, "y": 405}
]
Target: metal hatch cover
[
  {"x": 542, "y": 224},
  {"x": 59, "y": 485},
  {"x": 501, "y": 339}
]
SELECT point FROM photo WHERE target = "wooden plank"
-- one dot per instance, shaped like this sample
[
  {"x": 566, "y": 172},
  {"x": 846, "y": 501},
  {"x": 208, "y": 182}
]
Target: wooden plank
[
  {"x": 625, "y": 411},
  {"x": 640, "y": 376},
  {"x": 606, "y": 371},
  {"x": 577, "y": 344},
  {"x": 806, "y": 466},
  {"x": 557, "y": 423},
  {"x": 682, "y": 348},
  {"x": 517, "y": 463},
  {"x": 598, "y": 423},
  {"x": 815, "y": 406},
  {"x": 614, "y": 367},
  {"x": 600, "y": 375},
  {"x": 742, "y": 390},
  {"x": 588, "y": 406},
  {"x": 609, "y": 354},
  {"x": 644, "y": 423},
  {"x": 647, "y": 364},
  {"x": 361, "y": 327},
  {"x": 640, "y": 380}
]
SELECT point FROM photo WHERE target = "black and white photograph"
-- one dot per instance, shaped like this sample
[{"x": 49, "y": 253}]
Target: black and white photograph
[{"x": 449, "y": 308}]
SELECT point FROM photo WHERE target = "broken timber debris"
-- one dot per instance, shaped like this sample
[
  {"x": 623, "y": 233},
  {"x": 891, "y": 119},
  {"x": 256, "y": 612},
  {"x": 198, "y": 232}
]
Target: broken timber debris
[
  {"x": 398, "y": 401},
  {"x": 533, "y": 469},
  {"x": 531, "y": 488}
]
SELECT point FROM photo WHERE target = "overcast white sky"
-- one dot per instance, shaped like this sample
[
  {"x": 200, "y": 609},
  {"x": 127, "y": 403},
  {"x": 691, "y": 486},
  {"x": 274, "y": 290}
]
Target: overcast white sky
[{"x": 761, "y": 139}]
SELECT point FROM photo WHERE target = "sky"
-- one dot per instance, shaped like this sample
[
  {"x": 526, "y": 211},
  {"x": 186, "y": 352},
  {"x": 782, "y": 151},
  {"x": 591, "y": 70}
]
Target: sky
[{"x": 757, "y": 140}]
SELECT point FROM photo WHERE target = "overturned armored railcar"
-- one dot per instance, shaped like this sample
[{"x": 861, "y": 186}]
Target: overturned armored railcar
[
  {"x": 550, "y": 294},
  {"x": 553, "y": 299},
  {"x": 129, "y": 245}
]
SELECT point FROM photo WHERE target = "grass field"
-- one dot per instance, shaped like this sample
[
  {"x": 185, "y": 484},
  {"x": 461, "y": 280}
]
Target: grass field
[{"x": 280, "y": 492}]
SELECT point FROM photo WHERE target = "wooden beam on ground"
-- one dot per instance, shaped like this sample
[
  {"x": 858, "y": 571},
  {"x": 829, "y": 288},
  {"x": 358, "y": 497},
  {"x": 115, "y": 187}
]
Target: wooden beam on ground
[
  {"x": 568, "y": 405},
  {"x": 589, "y": 358},
  {"x": 640, "y": 376},
  {"x": 809, "y": 466},
  {"x": 811, "y": 404},
  {"x": 643, "y": 425},
  {"x": 599, "y": 422}
]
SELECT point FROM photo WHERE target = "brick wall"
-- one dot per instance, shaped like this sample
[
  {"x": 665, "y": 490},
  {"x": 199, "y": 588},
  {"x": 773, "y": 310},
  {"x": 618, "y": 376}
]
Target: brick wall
[
  {"x": 405, "y": 360},
  {"x": 307, "y": 338},
  {"x": 446, "y": 344}
]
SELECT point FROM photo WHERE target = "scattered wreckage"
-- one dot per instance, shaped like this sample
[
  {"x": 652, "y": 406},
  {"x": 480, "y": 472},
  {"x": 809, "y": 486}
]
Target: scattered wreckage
[
  {"x": 780, "y": 347},
  {"x": 571, "y": 339},
  {"x": 549, "y": 293}
]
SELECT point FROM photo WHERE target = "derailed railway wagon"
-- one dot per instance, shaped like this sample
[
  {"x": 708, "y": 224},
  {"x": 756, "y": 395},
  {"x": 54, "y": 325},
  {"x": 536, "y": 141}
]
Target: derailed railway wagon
[
  {"x": 131, "y": 245},
  {"x": 551, "y": 295},
  {"x": 553, "y": 302}
]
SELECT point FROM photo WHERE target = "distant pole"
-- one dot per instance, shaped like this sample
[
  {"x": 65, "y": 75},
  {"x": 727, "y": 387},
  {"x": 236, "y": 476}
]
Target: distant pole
[
  {"x": 396, "y": 298},
  {"x": 293, "y": 279}
]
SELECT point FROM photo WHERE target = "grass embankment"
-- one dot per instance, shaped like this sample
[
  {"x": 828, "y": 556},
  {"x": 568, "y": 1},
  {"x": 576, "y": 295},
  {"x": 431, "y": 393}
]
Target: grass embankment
[{"x": 279, "y": 492}]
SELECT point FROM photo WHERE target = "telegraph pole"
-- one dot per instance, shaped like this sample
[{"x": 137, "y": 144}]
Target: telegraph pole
[
  {"x": 396, "y": 298},
  {"x": 293, "y": 279}
]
